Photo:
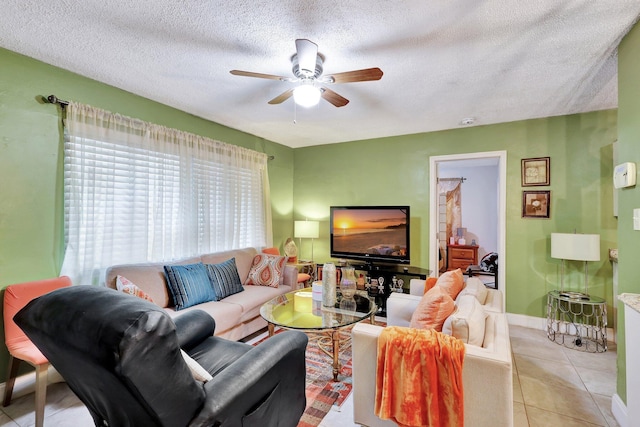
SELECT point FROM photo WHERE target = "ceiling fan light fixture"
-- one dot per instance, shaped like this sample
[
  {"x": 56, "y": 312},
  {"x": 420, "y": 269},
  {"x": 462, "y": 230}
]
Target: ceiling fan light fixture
[{"x": 306, "y": 95}]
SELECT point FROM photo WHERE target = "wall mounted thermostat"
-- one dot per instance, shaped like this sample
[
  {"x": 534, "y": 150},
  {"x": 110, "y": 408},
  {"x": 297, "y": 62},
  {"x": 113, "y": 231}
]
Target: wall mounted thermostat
[{"x": 624, "y": 175}]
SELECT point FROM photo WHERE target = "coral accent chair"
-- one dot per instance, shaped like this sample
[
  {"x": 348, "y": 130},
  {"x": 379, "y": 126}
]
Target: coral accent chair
[
  {"x": 302, "y": 277},
  {"x": 19, "y": 345}
]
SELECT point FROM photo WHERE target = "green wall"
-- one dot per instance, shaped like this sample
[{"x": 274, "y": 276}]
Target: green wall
[
  {"x": 380, "y": 171},
  {"x": 629, "y": 198},
  {"x": 31, "y": 203},
  {"x": 396, "y": 171}
]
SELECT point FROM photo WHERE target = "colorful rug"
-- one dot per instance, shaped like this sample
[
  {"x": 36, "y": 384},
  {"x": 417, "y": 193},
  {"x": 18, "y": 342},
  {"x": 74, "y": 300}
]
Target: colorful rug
[{"x": 321, "y": 391}]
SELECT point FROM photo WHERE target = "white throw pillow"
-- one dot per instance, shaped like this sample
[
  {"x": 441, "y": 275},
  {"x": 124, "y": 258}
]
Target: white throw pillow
[
  {"x": 475, "y": 287},
  {"x": 198, "y": 372},
  {"x": 467, "y": 323}
]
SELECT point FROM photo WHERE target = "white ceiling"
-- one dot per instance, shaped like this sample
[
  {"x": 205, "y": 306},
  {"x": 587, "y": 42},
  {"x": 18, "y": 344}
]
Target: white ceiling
[{"x": 443, "y": 61}]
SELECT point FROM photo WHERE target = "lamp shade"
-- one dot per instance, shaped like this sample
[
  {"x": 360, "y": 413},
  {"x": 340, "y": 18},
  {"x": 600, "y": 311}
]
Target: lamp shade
[
  {"x": 306, "y": 95},
  {"x": 577, "y": 247},
  {"x": 306, "y": 229}
]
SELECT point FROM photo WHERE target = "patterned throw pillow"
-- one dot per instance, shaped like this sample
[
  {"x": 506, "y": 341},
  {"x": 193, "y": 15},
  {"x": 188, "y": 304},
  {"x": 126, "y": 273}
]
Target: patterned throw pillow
[
  {"x": 224, "y": 278},
  {"x": 189, "y": 285},
  {"x": 266, "y": 270},
  {"x": 125, "y": 285}
]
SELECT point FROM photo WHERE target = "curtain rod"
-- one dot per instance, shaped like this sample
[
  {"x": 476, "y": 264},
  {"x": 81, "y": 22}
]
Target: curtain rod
[
  {"x": 461, "y": 179},
  {"x": 55, "y": 100}
]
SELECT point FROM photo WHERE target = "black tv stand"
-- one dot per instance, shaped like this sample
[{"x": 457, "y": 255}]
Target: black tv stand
[{"x": 385, "y": 272}]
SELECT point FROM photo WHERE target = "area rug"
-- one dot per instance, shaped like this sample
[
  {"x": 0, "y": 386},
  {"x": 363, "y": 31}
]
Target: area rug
[{"x": 321, "y": 391}]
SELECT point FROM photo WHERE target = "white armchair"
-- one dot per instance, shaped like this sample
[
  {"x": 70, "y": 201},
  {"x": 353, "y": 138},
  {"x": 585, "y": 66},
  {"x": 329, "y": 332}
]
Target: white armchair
[{"x": 487, "y": 371}]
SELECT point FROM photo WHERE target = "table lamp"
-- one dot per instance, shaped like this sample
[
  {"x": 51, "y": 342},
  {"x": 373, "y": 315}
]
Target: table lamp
[
  {"x": 575, "y": 247},
  {"x": 306, "y": 230}
]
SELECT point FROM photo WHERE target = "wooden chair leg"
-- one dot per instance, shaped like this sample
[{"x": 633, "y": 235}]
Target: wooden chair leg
[
  {"x": 12, "y": 372},
  {"x": 41, "y": 392}
]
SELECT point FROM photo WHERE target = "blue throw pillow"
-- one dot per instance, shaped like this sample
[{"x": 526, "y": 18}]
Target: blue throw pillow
[
  {"x": 189, "y": 285},
  {"x": 225, "y": 278}
]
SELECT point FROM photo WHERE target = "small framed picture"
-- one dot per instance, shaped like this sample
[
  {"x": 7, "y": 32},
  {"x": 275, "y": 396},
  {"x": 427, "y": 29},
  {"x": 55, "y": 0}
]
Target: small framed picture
[
  {"x": 536, "y": 204},
  {"x": 535, "y": 171}
]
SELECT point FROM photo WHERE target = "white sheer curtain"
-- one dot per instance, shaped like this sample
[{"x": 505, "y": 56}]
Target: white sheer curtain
[{"x": 139, "y": 192}]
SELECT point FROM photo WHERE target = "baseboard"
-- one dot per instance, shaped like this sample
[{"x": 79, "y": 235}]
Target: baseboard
[
  {"x": 26, "y": 384},
  {"x": 619, "y": 410},
  {"x": 541, "y": 323},
  {"x": 527, "y": 321}
]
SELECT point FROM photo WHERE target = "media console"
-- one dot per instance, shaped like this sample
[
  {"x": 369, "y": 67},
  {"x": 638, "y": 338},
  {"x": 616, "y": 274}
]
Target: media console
[{"x": 383, "y": 279}]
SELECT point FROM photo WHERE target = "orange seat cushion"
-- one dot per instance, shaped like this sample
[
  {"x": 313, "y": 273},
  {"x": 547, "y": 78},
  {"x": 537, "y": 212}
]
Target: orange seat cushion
[
  {"x": 271, "y": 251},
  {"x": 303, "y": 277},
  {"x": 15, "y": 298}
]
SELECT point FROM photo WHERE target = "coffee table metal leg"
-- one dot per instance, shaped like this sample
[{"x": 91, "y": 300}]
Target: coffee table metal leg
[
  {"x": 270, "y": 328},
  {"x": 335, "y": 337}
]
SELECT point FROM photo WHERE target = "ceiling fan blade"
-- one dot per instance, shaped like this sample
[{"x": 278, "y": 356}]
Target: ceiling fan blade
[
  {"x": 334, "y": 98},
  {"x": 282, "y": 97},
  {"x": 258, "y": 75},
  {"x": 364, "y": 75},
  {"x": 307, "y": 53}
]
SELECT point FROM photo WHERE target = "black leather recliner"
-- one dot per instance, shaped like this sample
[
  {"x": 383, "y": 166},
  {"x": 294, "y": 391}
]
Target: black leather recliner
[{"x": 121, "y": 356}]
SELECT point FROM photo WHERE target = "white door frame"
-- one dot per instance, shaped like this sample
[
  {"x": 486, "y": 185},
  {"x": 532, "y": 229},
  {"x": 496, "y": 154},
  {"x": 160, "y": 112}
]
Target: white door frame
[{"x": 502, "y": 209}]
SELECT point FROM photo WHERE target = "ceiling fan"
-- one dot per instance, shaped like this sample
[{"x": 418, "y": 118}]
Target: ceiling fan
[{"x": 307, "y": 71}]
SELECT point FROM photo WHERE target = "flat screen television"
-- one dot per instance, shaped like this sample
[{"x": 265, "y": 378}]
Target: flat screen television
[{"x": 370, "y": 233}]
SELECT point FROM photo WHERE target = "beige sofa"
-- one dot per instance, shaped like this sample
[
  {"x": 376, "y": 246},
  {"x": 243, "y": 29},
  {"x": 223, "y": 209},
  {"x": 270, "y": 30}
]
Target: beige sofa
[
  {"x": 236, "y": 316},
  {"x": 487, "y": 371}
]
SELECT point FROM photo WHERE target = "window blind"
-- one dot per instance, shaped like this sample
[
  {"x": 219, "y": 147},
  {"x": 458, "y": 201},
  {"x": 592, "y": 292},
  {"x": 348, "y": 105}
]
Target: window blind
[{"x": 138, "y": 192}]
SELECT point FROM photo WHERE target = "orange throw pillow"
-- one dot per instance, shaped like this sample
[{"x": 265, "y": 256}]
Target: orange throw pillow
[
  {"x": 452, "y": 282},
  {"x": 429, "y": 283},
  {"x": 433, "y": 309}
]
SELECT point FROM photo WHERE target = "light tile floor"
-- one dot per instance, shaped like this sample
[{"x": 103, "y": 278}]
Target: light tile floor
[{"x": 552, "y": 386}]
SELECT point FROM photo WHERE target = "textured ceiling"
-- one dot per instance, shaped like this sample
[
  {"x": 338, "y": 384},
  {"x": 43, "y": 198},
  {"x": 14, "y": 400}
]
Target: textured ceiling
[{"x": 443, "y": 61}]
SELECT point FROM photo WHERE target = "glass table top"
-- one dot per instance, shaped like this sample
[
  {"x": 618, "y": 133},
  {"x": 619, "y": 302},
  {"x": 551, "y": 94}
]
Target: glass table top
[
  {"x": 576, "y": 297},
  {"x": 297, "y": 310}
]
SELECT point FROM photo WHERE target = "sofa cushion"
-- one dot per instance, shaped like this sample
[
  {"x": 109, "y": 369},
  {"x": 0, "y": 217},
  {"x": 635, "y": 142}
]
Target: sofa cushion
[
  {"x": 452, "y": 282},
  {"x": 467, "y": 322},
  {"x": 266, "y": 270},
  {"x": 227, "y": 316},
  {"x": 253, "y": 297},
  {"x": 433, "y": 309},
  {"x": 475, "y": 287},
  {"x": 189, "y": 285},
  {"x": 244, "y": 259},
  {"x": 125, "y": 285},
  {"x": 224, "y": 278}
]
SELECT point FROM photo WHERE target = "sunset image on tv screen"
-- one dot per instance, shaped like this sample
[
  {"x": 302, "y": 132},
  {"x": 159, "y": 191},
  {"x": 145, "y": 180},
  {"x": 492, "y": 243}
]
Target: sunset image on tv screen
[{"x": 370, "y": 231}]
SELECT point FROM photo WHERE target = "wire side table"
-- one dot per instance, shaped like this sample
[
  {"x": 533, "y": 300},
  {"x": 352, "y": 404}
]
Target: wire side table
[{"x": 577, "y": 323}]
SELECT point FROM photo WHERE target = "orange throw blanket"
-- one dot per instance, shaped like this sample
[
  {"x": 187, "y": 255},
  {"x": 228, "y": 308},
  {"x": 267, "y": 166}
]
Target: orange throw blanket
[{"x": 419, "y": 378}]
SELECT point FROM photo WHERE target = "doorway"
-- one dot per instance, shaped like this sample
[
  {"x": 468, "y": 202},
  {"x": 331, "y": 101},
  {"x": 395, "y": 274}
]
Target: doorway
[{"x": 487, "y": 226}]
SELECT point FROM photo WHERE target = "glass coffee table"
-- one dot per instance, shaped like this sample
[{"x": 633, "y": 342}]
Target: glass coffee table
[{"x": 298, "y": 310}]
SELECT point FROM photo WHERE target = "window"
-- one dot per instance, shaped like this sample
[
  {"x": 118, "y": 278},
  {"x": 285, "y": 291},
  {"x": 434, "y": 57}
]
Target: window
[{"x": 137, "y": 192}]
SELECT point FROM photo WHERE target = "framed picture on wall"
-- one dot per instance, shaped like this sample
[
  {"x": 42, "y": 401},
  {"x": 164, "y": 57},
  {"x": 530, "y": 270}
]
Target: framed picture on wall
[
  {"x": 535, "y": 171},
  {"x": 536, "y": 204}
]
